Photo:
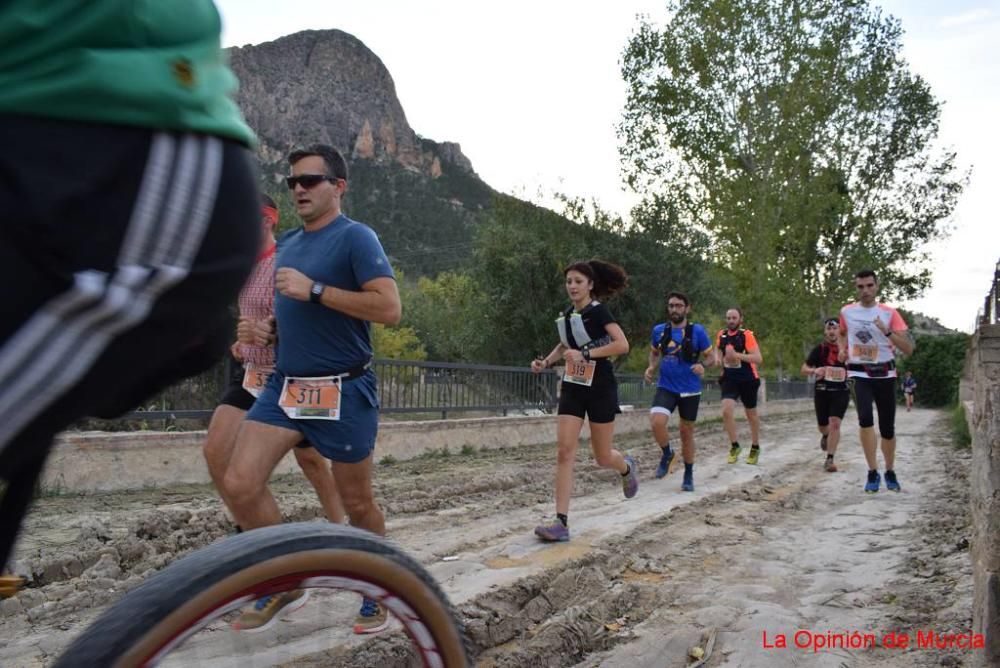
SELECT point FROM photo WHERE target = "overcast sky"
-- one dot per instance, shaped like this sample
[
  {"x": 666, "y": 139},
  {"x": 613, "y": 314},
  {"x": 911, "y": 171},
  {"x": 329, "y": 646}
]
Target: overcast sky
[{"x": 532, "y": 91}]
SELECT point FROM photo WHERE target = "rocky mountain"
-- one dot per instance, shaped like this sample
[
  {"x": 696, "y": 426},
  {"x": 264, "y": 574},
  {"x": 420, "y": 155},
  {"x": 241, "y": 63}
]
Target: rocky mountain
[
  {"x": 925, "y": 325},
  {"x": 326, "y": 86}
]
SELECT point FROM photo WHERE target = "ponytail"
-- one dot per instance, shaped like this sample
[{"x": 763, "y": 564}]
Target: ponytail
[{"x": 609, "y": 279}]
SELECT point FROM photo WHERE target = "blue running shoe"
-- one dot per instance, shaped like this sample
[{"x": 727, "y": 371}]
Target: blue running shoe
[
  {"x": 891, "y": 483},
  {"x": 630, "y": 481},
  {"x": 874, "y": 480},
  {"x": 688, "y": 484},
  {"x": 666, "y": 457},
  {"x": 553, "y": 533}
]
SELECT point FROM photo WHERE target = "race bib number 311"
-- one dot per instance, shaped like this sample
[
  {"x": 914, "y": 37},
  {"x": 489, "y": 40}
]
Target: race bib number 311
[{"x": 311, "y": 398}]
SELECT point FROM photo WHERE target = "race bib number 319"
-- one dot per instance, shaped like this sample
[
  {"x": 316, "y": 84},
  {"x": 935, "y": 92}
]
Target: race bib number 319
[
  {"x": 311, "y": 398},
  {"x": 581, "y": 373}
]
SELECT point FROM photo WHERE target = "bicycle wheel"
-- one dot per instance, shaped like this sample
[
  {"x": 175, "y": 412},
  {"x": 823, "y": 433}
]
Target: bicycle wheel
[{"x": 165, "y": 612}]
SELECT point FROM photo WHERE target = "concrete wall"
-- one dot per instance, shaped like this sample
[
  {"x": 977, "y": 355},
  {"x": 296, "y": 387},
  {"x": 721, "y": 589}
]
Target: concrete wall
[
  {"x": 102, "y": 461},
  {"x": 982, "y": 386}
]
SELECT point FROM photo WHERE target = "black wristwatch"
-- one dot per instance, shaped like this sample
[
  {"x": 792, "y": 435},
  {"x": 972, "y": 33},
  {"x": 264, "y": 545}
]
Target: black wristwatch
[{"x": 316, "y": 292}]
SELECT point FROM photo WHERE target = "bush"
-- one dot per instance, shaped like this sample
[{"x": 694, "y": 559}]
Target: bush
[
  {"x": 960, "y": 427},
  {"x": 937, "y": 366}
]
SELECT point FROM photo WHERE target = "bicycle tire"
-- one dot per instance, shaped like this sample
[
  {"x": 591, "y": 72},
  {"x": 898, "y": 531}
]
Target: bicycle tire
[{"x": 160, "y": 614}]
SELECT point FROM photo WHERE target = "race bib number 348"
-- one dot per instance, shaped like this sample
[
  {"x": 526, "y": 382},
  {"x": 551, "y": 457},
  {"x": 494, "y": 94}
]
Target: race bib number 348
[
  {"x": 864, "y": 352},
  {"x": 311, "y": 398}
]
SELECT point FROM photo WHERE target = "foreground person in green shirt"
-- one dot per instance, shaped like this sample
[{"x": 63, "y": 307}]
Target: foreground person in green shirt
[{"x": 129, "y": 219}]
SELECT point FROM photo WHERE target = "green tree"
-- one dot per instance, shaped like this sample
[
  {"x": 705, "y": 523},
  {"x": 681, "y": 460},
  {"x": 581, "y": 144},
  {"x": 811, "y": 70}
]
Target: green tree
[
  {"x": 793, "y": 132},
  {"x": 937, "y": 364},
  {"x": 397, "y": 343},
  {"x": 661, "y": 253},
  {"x": 519, "y": 255},
  {"x": 450, "y": 314}
]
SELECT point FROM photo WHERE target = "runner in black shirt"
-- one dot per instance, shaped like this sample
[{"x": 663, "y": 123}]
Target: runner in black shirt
[
  {"x": 588, "y": 337},
  {"x": 832, "y": 394}
]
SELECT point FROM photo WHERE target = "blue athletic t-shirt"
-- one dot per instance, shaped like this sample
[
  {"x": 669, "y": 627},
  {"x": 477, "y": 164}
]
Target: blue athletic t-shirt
[
  {"x": 314, "y": 340},
  {"x": 676, "y": 374}
]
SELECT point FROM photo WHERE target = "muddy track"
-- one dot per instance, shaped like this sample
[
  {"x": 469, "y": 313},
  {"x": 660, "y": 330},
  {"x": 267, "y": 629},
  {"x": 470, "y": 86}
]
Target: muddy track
[{"x": 754, "y": 549}]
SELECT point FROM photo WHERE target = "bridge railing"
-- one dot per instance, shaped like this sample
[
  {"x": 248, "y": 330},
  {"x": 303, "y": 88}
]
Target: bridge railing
[{"x": 415, "y": 388}]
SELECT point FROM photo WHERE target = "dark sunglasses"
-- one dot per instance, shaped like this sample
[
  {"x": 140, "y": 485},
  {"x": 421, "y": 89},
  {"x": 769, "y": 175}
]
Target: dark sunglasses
[{"x": 308, "y": 180}]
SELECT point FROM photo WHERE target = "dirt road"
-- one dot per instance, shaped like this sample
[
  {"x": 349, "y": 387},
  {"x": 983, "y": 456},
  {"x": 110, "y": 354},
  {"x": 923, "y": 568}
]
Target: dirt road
[{"x": 755, "y": 554}]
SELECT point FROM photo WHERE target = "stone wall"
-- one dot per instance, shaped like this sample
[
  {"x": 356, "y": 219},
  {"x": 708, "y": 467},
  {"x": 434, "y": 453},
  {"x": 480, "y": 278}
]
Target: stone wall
[
  {"x": 981, "y": 387},
  {"x": 102, "y": 461}
]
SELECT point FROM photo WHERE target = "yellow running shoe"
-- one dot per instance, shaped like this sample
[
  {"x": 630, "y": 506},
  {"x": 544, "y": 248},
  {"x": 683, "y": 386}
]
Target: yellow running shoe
[
  {"x": 734, "y": 454},
  {"x": 754, "y": 455},
  {"x": 264, "y": 612},
  {"x": 372, "y": 617}
]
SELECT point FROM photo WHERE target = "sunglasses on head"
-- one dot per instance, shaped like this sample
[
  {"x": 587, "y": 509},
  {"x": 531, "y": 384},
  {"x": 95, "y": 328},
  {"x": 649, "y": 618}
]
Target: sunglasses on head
[{"x": 308, "y": 180}]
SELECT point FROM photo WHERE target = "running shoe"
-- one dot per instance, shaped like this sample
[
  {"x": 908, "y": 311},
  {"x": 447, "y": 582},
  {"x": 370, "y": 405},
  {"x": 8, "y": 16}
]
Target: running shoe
[
  {"x": 734, "y": 454},
  {"x": 874, "y": 480},
  {"x": 372, "y": 617},
  {"x": 830, "y": 467},
  {"x": 891, "y": 483},
  {"x": 630, "y": 481},
  {"x": 754, "y": 455},
  {"x": 666, "y": 456},
  {"x": 553, "y": 533},
  {"x": 688, "y": 484},
  {"x": 264, "y": 611}
]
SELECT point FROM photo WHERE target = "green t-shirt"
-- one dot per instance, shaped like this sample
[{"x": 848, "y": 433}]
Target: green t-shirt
[{"x": 149, "y": 63}]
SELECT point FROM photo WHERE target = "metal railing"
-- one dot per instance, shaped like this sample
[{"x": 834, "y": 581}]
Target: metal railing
[{"x": 416, "y": 388}]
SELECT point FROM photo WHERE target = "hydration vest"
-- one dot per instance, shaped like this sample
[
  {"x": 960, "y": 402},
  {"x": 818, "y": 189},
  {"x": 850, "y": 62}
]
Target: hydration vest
[
  {"x": 687, "y": 353},
  {"x": 825, "y": 355},
  {"x": 738, "y": 341},
  {"x": 571, "y": 322}
]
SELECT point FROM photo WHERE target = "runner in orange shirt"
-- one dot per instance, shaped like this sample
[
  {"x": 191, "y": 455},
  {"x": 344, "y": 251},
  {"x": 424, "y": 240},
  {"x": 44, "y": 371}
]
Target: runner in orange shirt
[{"x": 737, "y": 352}]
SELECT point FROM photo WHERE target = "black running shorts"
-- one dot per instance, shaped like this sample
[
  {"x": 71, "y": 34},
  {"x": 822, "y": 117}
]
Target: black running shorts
[
  {"x": 599, "y": 404},
  {"x": 830, "y": 404},
  {"x": 882, "y": 393},
  {"x": 744, "y": 390},
  {"x": 666, "y": 402},
  {"x": 120, "y": 251}
]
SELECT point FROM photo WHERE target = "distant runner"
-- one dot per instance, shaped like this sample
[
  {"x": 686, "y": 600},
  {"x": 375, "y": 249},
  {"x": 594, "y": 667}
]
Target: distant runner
[
  {"x": 909, "y": 387},
  {"x": 870, "y": 334},
  {"x": 681, "y": 351},
  {"x": 832, "y": 394},
  {"x": 737, "y": 351}
]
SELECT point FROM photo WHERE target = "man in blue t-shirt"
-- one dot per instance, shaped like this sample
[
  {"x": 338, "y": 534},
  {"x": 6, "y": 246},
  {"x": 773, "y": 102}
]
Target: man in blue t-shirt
[
  {"x": 683, "y": 351},
  {"x": 332, "y": 280}
]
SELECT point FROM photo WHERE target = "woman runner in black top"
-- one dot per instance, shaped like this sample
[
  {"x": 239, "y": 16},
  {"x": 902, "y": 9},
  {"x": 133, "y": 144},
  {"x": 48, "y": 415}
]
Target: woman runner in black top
[{"x": 588, "y": 337}]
